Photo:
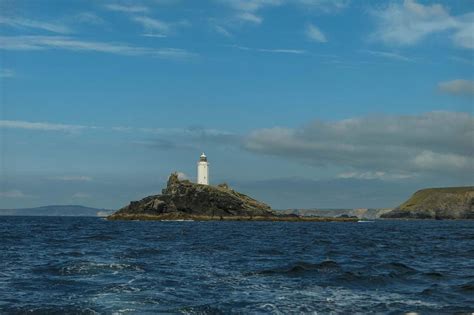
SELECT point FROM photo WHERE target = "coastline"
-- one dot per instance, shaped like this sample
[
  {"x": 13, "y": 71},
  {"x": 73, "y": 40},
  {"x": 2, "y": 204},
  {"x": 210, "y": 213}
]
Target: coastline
[{"x": 189, "y": 217}]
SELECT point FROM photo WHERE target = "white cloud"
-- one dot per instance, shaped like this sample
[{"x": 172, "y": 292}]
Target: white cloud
[
  {"x": 81, "y": 195},
  {"x": 314, "y": 34},
  {"x": 176, "y": 134},
  {"x": 222, "y": 30},
  {"x": 387, "y": 54},
  {"x": 275, "y": 50},
  {"x": 127, "y": 8},
  {"x": 13, "y": 194},
  {"x": 73, "y": 178},
  {"x": 154, "y": 35},
  {"x": 18, "y": 22},
  {"x": 457, "y": 87},
  {"x": 7, "y": 73},
  {"x": 434, "y": 161},
  {"x": 410, "y": 22},
  {"x": 246, "y": 11},
  {"x": 373, "y": 175},
  {"x": 89, "y": 18},
  {"x": 71, "y": 44},
  {"x": 464, "y": 36},
  {"x": 326, "y": 6},
  {"x": 152, "y": 24},
  {"x": 251, "y": 5},
  {"x": 249, "y": 10},
  {"x": 436, "y": 142},
  {"x": 18, "y": 124},
  {"x": 250, "y": 17}
]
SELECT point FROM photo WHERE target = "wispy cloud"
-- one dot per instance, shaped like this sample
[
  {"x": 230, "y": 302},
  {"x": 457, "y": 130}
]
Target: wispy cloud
[
  {"x": 457, "y": 87},
  {"x": 249, "y": 11},
  {"x": 18, "y": 22},
  {"x": 71, "y": 44},
  {"x": 250, "y": 17},
  {"x": 374, "y": 175},
  {"x": 462, "y": 60},
  {"x": 222, "y": 30},
  {"x": 13, "y": 194},
  {"x": 154, "y": 35},
  {"x": 18, "y": 124},
  {"x": 158, "y": 132},
  {"x": 274, "y": 50},
  {"x": 72, "y": 178},
  {"x": 251, "y": 5},
  {"x": 410, "y": 22},
  {"x": 152, "y": 25},
  {"x": 314, "y": 34},
  {"x": 325, "y": 6},
  {"x": 127, "y": 8},
  {"x": 81, "y": 195},
  {"x": 89, "y": 18},
  {"x": 387, "y": 54},
  {"x": 7, "y": 73},
  {"x": 192, "y": 138},
  {"x": 246, "y": 11}
]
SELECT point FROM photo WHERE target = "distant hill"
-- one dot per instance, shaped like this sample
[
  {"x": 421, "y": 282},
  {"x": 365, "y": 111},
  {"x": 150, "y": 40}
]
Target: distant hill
[
  {"x": 437, "y": 203},
  {"x": 369, "y": 214},
  {"x": 59, "y": 210}
]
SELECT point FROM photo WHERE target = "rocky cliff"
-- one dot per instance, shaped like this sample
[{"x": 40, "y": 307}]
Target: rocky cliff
[
  {"x": 437, "y": 203},
  {"x": 184, "y": 198}
]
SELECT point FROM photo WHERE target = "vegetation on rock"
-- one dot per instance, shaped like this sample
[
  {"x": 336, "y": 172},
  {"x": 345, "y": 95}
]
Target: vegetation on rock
[
  {"x": 184, "y": 200},
  {"x": 437, "y": 203}
]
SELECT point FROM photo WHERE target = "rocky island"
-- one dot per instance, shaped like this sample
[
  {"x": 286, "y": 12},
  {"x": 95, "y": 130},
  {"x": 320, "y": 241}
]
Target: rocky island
[
  {"x": 436, "y": 203},
  {"x": 184, "y": 200}
]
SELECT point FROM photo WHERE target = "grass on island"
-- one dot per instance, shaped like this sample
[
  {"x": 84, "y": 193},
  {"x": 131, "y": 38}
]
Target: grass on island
[{"x": 428, "y": 196}]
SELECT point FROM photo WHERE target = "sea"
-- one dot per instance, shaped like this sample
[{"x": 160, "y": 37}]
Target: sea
[{"x": 77, "y": 265}]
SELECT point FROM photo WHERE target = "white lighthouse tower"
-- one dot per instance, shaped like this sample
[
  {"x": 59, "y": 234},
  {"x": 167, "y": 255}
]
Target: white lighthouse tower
[{"x": 203, "y": 170}]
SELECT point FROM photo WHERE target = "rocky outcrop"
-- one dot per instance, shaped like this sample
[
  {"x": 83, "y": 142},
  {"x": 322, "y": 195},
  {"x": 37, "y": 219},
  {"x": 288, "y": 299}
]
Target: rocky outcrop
[
  {"x": 361, "y": 213},
  {"x": 437, "y": 203},
  {"x": 182, "y": 197},
  {"x": 183, "y": 200}
]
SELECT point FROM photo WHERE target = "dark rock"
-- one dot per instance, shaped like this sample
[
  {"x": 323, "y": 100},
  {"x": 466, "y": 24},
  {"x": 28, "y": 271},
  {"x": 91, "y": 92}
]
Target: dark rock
[
  {"x": 347, "y": 216},
  {"x": 185, "y": 197},
  {"x": 223, "y": 186}
]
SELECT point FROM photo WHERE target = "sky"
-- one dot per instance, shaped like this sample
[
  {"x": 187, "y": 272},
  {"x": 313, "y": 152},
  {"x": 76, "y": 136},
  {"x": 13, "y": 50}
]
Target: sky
[{"x": 298, "y": 103}]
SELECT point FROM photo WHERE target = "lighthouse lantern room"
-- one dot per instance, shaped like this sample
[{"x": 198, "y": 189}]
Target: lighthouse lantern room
[{"x": 203, "y": 170}]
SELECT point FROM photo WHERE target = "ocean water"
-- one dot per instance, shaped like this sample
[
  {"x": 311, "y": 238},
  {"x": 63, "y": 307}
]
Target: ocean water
[{"x": 60, "y": 265}]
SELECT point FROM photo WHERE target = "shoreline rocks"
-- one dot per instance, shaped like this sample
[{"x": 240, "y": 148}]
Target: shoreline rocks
[{"x": 184, "y": 200}]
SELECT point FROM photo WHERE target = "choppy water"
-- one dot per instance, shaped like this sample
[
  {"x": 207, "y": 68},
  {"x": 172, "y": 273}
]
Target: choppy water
[{"x": 87, "y": 265}]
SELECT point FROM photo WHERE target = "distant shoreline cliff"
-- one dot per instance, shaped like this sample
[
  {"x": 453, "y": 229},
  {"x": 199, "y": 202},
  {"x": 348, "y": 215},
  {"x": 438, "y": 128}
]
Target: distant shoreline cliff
[
  {"x": 184, "y": 200},
  {"x": 437, "y": 203},
  {"x": 361, "y": 213}
]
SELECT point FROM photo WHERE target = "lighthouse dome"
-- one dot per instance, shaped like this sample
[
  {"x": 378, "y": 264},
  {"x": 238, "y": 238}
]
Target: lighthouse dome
[{"x": 203, "y": 157}]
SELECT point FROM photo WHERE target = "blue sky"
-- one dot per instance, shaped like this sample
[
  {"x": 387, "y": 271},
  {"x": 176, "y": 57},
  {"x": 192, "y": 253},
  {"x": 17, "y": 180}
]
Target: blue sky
[{"x": 101, "y": 100}]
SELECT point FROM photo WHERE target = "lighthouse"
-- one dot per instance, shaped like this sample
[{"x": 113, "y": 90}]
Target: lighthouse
[{"x": 203, "y": 170}]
